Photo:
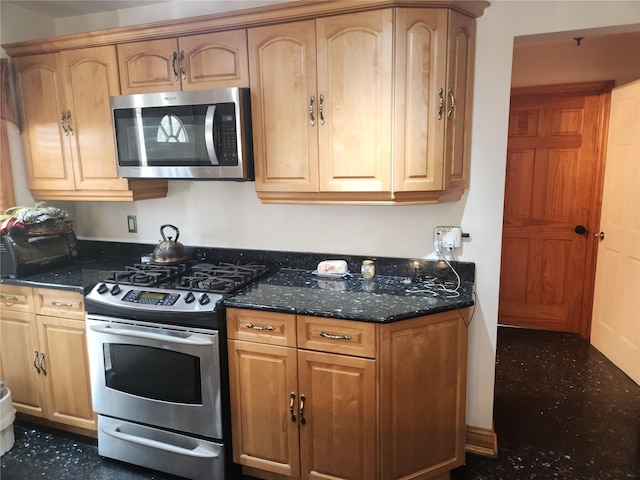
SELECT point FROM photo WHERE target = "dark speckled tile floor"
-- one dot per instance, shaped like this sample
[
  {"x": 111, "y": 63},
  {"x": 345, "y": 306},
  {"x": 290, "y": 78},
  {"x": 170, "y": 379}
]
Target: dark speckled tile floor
[{"x": 562, "y": 411}]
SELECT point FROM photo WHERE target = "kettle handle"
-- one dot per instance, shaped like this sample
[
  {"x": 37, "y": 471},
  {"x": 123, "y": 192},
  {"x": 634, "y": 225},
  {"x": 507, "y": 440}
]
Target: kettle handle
[{"x": 164, "y": 239}]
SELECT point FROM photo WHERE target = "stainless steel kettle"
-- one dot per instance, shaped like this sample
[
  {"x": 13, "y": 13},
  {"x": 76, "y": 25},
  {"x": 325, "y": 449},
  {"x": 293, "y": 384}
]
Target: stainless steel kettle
[{"x": 169, "y": 250}]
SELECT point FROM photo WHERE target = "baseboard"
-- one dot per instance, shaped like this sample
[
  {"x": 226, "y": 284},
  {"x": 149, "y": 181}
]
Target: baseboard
[{"x": 481, "y": 441}]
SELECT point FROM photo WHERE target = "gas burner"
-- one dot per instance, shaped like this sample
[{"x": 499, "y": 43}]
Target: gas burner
[
  {"x": 220, "y": 278},
  {"x": 147, "y": 274}
]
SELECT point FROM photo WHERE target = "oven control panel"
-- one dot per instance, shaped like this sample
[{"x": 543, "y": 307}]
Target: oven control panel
[{"x": 150, "y": 298}]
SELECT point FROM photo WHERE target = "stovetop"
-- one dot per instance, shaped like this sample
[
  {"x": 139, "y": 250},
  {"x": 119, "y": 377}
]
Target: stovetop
[{"x": 183, "y": 293}]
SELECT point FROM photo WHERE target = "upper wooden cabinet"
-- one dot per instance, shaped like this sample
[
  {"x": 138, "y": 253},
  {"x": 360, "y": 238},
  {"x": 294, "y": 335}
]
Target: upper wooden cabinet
[
  {"x": 68, "y": 138},
  {"x": 196, "y": 62},
  {"x": 325, "y": 94}
]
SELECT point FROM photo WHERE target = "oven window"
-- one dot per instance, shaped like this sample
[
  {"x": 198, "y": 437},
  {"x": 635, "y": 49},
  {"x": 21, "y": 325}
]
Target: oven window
[{"x": 154, "y": 373}]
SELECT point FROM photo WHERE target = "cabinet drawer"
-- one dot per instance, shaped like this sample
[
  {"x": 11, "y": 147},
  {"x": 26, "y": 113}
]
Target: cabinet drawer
[
  {"x": 337, "y": 336},
  {"x": 59, "y": 303},
  {"x": 262, "y": 327},
  {"x": 16, "y": 298}
]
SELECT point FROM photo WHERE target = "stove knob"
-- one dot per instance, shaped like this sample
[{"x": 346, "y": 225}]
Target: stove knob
[
  {"x": 102, "y": 288},
  {"x": 204, "y": 299},
  {"x": 189, "y": 298},
  {"x": 115, "y": 290}
]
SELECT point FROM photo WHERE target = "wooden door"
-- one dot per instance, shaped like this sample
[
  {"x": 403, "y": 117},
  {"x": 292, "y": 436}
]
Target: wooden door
[
  {"x": 553, "y": 185},
  {"x": 20, "y": 357},
  {"x": 355, "y": 82},
  {"x": 616, "y": 311},
  {"x": 284, "y": 104},
  {"x": 338, "y": 436},
  {"x": 149, "y": 66},
  {"x": 90, "y": 76},
  {"x": 68, "y": 387},
  {"x": 421, "y": 61},
  {"x": 215, "y": 60},
  {"x": 45, "y": 134},
  {"x": 262, "y": 378}
]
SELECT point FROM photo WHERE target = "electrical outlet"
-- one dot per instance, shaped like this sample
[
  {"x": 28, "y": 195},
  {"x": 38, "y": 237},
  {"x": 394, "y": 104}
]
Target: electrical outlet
[
  {"x": 132, "y": 225},
  {"x": 448, "y": 237}
]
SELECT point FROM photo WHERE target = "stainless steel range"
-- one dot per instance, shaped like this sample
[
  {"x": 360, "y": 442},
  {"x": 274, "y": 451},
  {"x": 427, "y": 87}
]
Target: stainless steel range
[{"x": 157, "y": 352}]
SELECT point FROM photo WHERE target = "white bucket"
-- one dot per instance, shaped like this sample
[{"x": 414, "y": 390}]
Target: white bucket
[{"x": 7, "y": 416}]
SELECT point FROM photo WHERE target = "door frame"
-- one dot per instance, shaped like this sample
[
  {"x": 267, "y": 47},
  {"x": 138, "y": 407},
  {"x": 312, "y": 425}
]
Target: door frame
[{"x": 603, "y": 90}]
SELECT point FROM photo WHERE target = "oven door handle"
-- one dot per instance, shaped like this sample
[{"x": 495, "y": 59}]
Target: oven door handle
[
  {"x": 190, "y": 340},
  {"x": 199, "y": 451}
]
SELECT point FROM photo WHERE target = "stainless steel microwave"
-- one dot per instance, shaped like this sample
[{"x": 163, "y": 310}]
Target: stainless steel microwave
[{"x": 202, "y": 134}]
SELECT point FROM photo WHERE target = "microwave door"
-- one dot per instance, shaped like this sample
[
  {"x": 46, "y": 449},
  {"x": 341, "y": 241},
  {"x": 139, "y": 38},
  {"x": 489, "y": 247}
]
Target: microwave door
[{"x": 209, "y": 131}]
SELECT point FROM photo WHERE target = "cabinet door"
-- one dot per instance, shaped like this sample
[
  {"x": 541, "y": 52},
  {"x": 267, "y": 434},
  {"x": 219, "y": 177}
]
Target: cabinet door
[
  {"x": 265, "y": 435},
  {"x": 19, "y": 359},
  {"x": 355, "y": 55},
  {"x": 149, "y": 66},
  {"x": 215, "y": 60},
  {"x": 460, "y": 63},
  {"x": 338, "y": 437},
  {"x": 90, "y": 77},
  {"x": 421, "y": 61},
  {"x": 63, "y": 342},
  {"x": 284, "y": 103},
  {"x": 45, "y": 136}
]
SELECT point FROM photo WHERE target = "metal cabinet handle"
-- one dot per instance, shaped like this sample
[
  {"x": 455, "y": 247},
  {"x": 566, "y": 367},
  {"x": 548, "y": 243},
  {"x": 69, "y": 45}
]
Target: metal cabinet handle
[
  {"x": 63, "y": 124},
  {"x": 441, "y": 103},
  {"x": 321, "y": 109},
  {"x": 61, "y": 304},
  {"x": 8, "y": 298},
  {"x": 69, "y": 123},
  {"x": 452, "y": 99},
  {"x": 173, "y": 65},
  {"x": 35, "y": 361},
  {"x": 301, "y": 412},
  {"x": 291, "y": 410},
  {"x": 311, "y": 116},
  {"x": 183, "y": 72},
  {"x": 256, "y": 327},
  {"x": 44, "y": 372},
  {"x": 335, "y": 337}
]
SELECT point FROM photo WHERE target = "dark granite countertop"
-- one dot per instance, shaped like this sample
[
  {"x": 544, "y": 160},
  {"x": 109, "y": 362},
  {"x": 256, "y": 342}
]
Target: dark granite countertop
[
  {"x": 381, "y": 299},
  {"x": 401, "y": 289}
]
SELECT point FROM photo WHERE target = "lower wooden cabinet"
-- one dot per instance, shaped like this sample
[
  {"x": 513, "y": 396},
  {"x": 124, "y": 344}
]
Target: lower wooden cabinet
[
  {"x": 43, "y": 357},
  {"x": 319, "y": 398}
]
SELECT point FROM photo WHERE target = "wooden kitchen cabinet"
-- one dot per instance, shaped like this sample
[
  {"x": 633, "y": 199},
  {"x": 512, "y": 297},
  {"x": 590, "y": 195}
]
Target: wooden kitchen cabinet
[
  {"x": 325, "y": 94},
  {"x": 195, "y": 62},
  {"x": 68, "y": 135},
  {"x": 381, "y": 401},
  {"x": 300, "y": 413},
  {"x": 321, "y": 101},
  {"x": 43, "y": 357}
]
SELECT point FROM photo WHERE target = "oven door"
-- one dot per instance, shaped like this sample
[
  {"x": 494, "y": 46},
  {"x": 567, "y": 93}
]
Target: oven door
[{"x": 155, "y": 374}]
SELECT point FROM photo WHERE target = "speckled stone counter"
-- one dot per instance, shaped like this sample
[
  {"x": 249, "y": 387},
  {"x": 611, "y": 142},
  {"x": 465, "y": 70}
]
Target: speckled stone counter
[
  {"x": 381, "y": 299},
  {"x": 402, "y": 288}
]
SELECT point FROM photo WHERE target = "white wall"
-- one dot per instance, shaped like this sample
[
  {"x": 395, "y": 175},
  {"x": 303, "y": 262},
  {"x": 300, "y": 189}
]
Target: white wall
[{"x": 229, "y": 215}]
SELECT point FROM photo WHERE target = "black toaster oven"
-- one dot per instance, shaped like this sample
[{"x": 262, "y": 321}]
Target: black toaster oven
[{"x": 24, "y": 255}]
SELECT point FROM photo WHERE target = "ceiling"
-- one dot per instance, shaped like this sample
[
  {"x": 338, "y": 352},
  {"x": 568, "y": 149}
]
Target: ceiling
[{"x": 69, "y": 8}]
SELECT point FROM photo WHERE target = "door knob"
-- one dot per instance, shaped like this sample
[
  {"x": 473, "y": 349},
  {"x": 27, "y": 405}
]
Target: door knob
[
  {"x": 580, "y": 229},
  {"x": 599, "y": 236}
]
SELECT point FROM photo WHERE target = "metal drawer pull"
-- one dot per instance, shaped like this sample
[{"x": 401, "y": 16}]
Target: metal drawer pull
[
  {"x": 335, "y": 337},
  {"x": 44, "y": 372},
  {"x": 61, "y": 304},
  {"x": 321, "y": 108},
  {"x": 313, "y": 119},
  {"x": 35, "y": 360},
  {"x": 7, "y": 298},
  {"x": 255, "y": 327},
  {"x": 291, "y": 410},
  {"x": 302, "y": 419},
  {"x": 453, "y": 104},
  {"x": 441, "y": 103}
]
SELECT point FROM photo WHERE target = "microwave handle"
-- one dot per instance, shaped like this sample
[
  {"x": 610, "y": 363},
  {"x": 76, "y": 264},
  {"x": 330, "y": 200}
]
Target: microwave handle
[{"x": 208, "y": 135}]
